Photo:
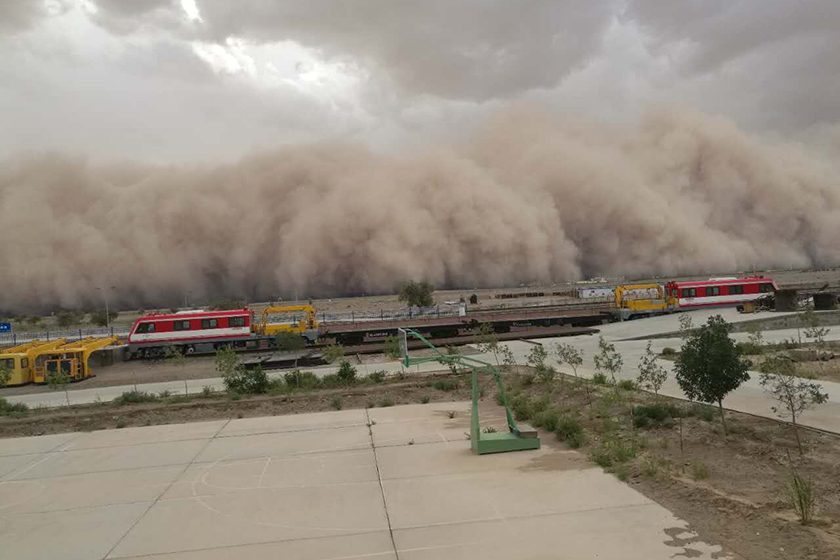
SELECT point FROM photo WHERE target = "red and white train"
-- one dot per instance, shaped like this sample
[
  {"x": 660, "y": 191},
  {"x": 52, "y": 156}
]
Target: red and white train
[
  {"x": 718, "y": 292},
  {"x": 191, "y": 331}
]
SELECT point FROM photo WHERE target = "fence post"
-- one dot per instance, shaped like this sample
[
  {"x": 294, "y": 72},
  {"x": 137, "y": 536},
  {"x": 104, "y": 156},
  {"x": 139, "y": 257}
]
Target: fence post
[
  {"x": 14, "y": 339},
  {"x": 48, "y": 336},
  {"x": 438, "y": 311},
  {"x": 353, "y": 316},
  {"x": 80, "y": 334}
]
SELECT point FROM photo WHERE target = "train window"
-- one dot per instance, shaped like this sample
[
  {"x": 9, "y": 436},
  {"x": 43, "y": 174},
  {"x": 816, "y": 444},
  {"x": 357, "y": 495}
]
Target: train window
[
  {"x": 8, "y": 363},
  {"x": 236, "y": 321},
  {"x": 765, "y": 288},
  {"x": 736, "y": 290},
  {"x": 713, "y": 290},
  {"x": 689, "y": 292},
  {"x": 24, "y": 362},
  {"x": 209, "y": 323},
  {"x": 144, "y": 328},
  {"x": 181, "y": 325}
]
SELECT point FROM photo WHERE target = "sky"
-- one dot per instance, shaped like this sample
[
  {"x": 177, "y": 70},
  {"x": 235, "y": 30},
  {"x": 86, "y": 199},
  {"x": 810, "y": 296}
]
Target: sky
[
  {"x": 243, "y": 150},
  {"x": 171, "y": 81}
]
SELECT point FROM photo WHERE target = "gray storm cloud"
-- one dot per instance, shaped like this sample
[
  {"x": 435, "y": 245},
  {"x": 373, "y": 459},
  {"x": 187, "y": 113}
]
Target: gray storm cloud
[{"x": 529, "y": 198}]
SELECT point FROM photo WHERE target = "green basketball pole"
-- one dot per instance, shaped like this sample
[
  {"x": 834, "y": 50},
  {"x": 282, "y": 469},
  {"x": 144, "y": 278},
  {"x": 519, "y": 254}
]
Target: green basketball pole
[{"x": 518, "y": 438}]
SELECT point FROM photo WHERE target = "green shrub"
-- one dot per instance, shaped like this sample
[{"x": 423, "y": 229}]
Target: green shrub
[
  {"x": 802, "y": 496},
  {"x": 749, "y": 348},
  {"x": 246, "y": 381},
  {"x": 346, "y": 373},
  {"x": 234, "y": 396},
  {"x": 528, "y": 379},
  {"x": 121, "y": 423},
  {"x": 576, "y": 440},
  {"x": 668, "y": 351},
  {"x": 627, "y": 385},
  {"x": 301, "y": 379},
  {"x": 612, "y": 451},
  {"x": 135, "y": 397},
  {"x": 16, "y": 410},
  {"x": 444, "y": 384},
  {"x": 501, "y": 400},
  {"x": 703, "y": 412},
  {"x": 207, "y": 391},
  {"x": 540, "y": 404},
  {"x": 699, "y": 471},
  {"x": 568, "y": 428},
  {"x": 425, "y": 399},
  {"x": 377, "y": 376},
  {"x": 602, "y": 457},
  {"x": 545, "y": 374},
  {"x": 549, "y": 420},
  {"x": 600, "y": 379},
  {"x": 623, "y": 473},
  {"x": 385, "y": 402},
  {"x": 330, "y": 380},
  {"x": 522, "y": 409},
  {"x": 336, "y": 402},
  {"x": 178, "y": 399},
  {"x": 656, "y": 414}
]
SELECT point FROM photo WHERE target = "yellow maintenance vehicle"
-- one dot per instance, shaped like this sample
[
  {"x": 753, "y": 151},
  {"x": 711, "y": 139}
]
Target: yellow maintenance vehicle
[
  {"x": 304, "y": 324},
  {"x": 19, "y": 359},
  {"x": 70, "y": 359},
  {"x": 637, "y": 300}
]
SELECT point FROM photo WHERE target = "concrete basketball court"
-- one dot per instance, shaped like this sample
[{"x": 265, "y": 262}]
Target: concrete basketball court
[{"x": 384, "y": 483}]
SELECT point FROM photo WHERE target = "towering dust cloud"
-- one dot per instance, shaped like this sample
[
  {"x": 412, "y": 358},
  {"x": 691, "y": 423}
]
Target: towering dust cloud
[{"x": 530, "y": 198}]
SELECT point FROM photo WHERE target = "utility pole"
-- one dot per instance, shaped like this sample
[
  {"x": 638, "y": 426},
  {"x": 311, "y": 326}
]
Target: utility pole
[{"x": 107, "y": 313}]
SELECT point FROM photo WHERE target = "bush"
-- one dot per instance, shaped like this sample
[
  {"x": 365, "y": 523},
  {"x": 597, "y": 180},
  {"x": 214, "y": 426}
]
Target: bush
[
  {"x": 568, "y": 429},
  {"x": 445, "y": 385},
  {"x": 425, "y": 399},
  {"x": 699, "y": 471},
  {"x": 346, "y": 373},
  {"x": 301, "y": 379},
  {"x": 627, "y": 385},
  {"x": 135, "y": 397},
  {"x": 377, "y": 377},
  {"x": 385, "y": 402},
  {"x": 802, "y": 496},
  {"x": 749, "y": 348},
  {"x": 576, "y": 440},
  {"x": 16, "y": 410},
  {"x": 668, "y": 351},
  {"x": 331, "y": 380},
  {"x": 247, "y": 381},
  {"x": 336, "y": 402},
  {"x": 121, "y": 423},
  {"x": 600, "y": 379},
  {"x": 528, "y": 379},
  {"x": 541, "y": 404},
  {"x": 547, "y": 419},
  {"x": 602, "y": 457},
  {"x": 703, "y": 412},
  {"x": 522, "y": 409},
  {"x": 611, "y": 452},
  {"x": 545, "y": 374},
  {"x": 623, "y": 473},
  {"x": 654, "y": 414},
  {"x": 501, "y": 401}
]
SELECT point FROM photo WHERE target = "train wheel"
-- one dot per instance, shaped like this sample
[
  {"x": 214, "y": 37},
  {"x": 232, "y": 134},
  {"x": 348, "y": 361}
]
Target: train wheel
[{"x": 190, "y": 349}]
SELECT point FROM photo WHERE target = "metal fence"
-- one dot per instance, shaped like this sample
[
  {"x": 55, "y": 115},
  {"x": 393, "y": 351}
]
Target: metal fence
[{"x": 70, "y": 335}]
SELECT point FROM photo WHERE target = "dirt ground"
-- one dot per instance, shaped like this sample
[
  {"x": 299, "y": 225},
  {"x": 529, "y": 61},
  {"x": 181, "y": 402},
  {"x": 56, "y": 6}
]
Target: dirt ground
[{"x": 731, "y": 489}]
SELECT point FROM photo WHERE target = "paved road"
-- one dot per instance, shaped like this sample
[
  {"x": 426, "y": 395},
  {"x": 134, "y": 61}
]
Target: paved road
[
  {"x": 384, "y": 483},
  {"x": 748, "y": 398}
]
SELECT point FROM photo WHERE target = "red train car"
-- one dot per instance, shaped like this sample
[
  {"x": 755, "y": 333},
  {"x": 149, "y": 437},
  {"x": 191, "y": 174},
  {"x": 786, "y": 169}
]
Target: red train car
[
  {"x": 190, "y": 331},
  {"x": 719, "y": 292}
]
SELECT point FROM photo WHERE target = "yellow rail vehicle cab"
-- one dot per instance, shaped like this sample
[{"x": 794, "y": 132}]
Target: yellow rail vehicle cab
[
  {"x": 20, "y": 360},
  {"x": 69, "y": 360}
]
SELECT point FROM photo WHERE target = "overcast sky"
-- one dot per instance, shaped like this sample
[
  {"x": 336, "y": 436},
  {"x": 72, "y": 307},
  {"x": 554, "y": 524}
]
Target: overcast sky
[{"x": 190, "y": 80}]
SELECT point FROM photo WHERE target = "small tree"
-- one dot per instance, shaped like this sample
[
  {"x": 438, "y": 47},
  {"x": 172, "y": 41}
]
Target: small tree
[
  {"x": 756, "y": 335},
  {"x": 795, "y": 394},
  {"x": 488, "y": 341},
  {"x": 417, "y": 294},
  {"x": 392, "y": 347},
  {"x": 709, "y": 366},
  {"x": 608, "y": 359},
  {"x": 99, "y": 318},
  {"x": 816, "y": 332},
  {"x": 346, "y": 373},
  {"x": 289, "y": 342},
  {"x": 67, "y": 318},
  {"x": 536, "y": 358},
  {"x": 651, "y": 374},
  {"x": 570, "y": 355},
  {"x": 508, "y": 359},
  {"x": 333, "y": 352},
  {"x": 55, "y": 379}
]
